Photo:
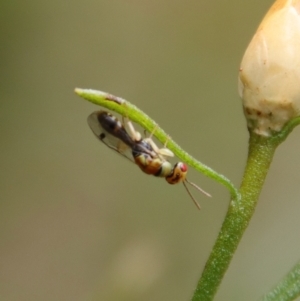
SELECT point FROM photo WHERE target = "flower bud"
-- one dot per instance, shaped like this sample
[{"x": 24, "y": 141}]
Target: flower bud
[{"x": 269, "y": 78}]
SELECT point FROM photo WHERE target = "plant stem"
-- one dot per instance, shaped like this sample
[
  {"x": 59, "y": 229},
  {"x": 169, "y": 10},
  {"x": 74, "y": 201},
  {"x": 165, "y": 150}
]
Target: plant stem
[{"x": 260, "y": 155}]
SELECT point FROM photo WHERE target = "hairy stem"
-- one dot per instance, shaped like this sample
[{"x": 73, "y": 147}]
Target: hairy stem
[
  {"x": 260, "y": 155},
  {"x": 261, "y": 151}
]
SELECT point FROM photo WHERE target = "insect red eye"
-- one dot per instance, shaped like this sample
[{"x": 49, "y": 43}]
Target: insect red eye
[{"x": 183, "y": 167}]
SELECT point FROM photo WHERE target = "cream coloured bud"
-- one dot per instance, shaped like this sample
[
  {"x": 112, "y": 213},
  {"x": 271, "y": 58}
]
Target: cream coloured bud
[{"x": 269, "y": 78}]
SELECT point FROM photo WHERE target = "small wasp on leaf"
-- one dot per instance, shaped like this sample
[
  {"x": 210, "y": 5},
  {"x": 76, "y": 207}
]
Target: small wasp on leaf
[{"x": 142, "y": 151}]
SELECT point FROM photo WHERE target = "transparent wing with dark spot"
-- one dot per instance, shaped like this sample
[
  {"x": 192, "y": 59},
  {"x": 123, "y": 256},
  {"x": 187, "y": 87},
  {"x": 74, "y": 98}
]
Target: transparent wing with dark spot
[{"x": 111, "y": 141}]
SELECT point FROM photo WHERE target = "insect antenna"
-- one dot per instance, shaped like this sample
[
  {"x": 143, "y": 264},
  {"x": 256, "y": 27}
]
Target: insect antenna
[
  {"x": 190, "y": 194},
  {"x": 198, "y": 188}
]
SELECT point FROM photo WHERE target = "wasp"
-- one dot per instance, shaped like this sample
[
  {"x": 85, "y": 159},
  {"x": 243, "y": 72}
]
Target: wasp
[{"x": 142, "y": 151}]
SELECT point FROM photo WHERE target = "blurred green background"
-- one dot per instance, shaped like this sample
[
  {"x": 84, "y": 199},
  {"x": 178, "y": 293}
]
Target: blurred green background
[{"x": 77, "y": 222}]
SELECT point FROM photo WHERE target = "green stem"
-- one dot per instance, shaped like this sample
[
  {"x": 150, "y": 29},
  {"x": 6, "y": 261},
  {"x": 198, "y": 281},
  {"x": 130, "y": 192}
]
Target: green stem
[
  {"x": 260, "y": 155},
  {"x": 288, "y": 289},
  {"x": 130, "y": 111},
  {"x": 261, "y": 151}
]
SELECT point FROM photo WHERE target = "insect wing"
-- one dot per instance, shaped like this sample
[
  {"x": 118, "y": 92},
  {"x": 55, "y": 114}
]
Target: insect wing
[{"x": 110, "y": 140}]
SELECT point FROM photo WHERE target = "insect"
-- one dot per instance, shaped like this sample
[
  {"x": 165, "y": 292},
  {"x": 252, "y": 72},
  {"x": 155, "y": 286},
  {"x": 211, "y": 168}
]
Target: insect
[{"x": 142, "y": 151}]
